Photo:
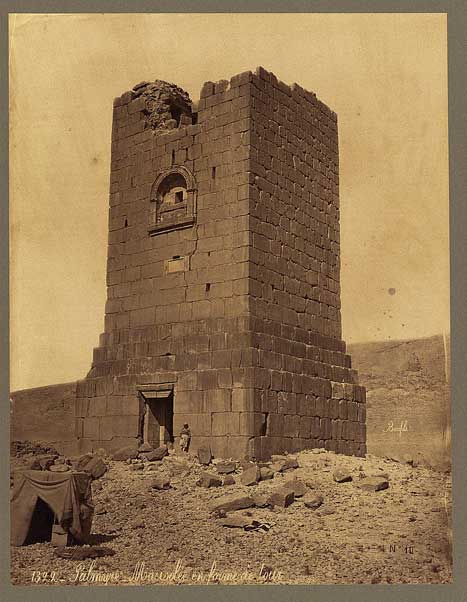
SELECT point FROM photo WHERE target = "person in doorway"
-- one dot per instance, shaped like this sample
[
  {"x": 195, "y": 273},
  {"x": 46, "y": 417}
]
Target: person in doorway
[{"x": 185, "y": 437}]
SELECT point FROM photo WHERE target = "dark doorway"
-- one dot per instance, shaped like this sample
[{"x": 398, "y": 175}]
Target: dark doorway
[
  {"x": 158, "y": 417},
  {"x": 42, "y": 520}
]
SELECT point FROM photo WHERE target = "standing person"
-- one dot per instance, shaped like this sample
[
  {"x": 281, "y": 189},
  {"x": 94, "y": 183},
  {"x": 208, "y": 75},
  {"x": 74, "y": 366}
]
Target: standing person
[{"x": 185, "y": 437}]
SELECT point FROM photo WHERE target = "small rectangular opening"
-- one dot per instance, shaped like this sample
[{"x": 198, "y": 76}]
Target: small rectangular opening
[
  {"x": 179, "y": 196},
  {"x": 213, "y": 173}
]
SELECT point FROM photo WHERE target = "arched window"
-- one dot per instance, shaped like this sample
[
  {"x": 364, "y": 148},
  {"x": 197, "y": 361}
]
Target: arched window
[{"x": 173, "y": 201}]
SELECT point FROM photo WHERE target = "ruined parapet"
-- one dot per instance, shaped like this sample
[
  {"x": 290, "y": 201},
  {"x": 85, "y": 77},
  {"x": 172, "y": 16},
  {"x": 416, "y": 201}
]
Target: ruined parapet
[{"x": 164, "y": 105}]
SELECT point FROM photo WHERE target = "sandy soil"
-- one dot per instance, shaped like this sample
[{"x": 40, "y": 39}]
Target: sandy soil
[{"x": 398, "y": 535}]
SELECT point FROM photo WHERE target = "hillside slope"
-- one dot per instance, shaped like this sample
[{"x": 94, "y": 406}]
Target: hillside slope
[{"x": 408, "y": 398}]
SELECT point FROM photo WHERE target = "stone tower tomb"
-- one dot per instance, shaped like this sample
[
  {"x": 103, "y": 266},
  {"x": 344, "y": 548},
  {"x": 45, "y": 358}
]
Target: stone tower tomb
[{"x": 223, "y": 293}]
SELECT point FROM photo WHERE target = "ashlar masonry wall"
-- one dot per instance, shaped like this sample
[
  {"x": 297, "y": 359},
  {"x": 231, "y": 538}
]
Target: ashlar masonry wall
[{"x": 227, "y": 289}]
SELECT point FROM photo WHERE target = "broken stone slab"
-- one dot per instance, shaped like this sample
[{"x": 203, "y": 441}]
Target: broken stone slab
[
  {"x": 244, "y": 522},
  {"x": 312, "y": 500},
  {"x": 326, "y": 511},
  {"x": 298, "y": 487},
  {"x": 251, "y": 476},
  {"x": 373, "y": 484},
  {"x": 160, "y": 483},
  {"x": 204, "y": 455},
  {"x": 284, "y": 465},
  {"x": 226, "y": 467},
  {"x": 266, "y": 473},
  {"x": 229, "y": 480},
  {"x": 228, "y": 503},
  {"x": 129, "y": 452},
  {"x": 341, "y": 476},
  {"x": 261, "y": 500},
  {"x": 94, "y": 465},
  {"x": 157, "y": 454},
  {"x": 209, "y": 480},
  {"x": 281, "y": 497}
]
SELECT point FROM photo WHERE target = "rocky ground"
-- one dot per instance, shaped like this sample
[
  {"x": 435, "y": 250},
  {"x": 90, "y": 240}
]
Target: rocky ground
[{"x": 395, "y": 535}]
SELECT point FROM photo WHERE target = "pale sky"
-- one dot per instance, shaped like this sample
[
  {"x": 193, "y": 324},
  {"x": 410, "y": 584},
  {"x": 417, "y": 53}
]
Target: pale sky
[{"x": 385, "y": 75}]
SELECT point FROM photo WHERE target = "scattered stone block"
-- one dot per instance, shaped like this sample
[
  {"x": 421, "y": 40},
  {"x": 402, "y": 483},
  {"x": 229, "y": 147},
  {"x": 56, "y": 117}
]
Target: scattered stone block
[
  {"x": 251, "y": 476},
  {"x": 232, "y": 502},
  {"x": 266, "y": 473},
  {"x": 281, "y": 497},
  {"x": 157, "y": 454},
  {"x": 226, "y": 467},
  {"x": 123, "y": 454},
  {"x": 312, "y": 500},
  {"x": 209, "y": 480},
  {"x": 204, "y": 455},
  {"x": 373, "y": 484},
  {"x": 284, "y": 464},
  {"x": 94, "y": 465},
  {"x": 229, "y": 480},
  {"x": 341, "y": 476},
  {"x": 298, "y": 487},
  {"x": 160, "y": 483},
  {"x": 290, "y": 464},
  {"x": 261, "y": 500}
]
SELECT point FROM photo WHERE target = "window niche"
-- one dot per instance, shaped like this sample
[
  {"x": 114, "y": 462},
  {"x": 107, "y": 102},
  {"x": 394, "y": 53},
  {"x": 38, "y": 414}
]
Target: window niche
[{"x": 173, "y": 201}]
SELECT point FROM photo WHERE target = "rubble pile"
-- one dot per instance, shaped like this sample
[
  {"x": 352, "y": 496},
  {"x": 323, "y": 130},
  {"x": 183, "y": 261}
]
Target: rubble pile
[{"x": 316, "y": 517}]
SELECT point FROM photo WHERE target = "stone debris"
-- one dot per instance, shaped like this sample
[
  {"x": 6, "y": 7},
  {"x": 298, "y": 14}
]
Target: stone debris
[
  {"x": 232, "y": 502},
  {"x": 160, "y": 483},
  {"x": 312, "y": 500},
  {"x": 229, "y": 480},
  {"x": 281, "y": 497},
  {"x": 373, "y": 484},
  {"x": 251, "y": 476},
  {"x": 298, "y": 487},
  {"x": 341, "y": 476},
  {"x": 266, "y": 473},
  {"x": 157, "y": 454},
  {"x": 92, "y": 464},
  {"x": 226, "y": 467},
  {"x": 204, "y": 455},
  {"x": 209, "y": 480},
  {"x": 128, "y": 452},
  {"x": 284, "y": 464},
  {"x": 323, "y": 524},
  {"x": 261, "y": 500},
  {"x": 246, "y": 523}
]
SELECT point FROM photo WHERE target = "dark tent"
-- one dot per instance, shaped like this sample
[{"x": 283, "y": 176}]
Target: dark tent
[{"x": 41, "y": 497}]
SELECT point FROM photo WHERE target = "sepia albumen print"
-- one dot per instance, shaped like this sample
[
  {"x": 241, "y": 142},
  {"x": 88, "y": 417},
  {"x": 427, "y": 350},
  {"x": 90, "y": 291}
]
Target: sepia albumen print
[{"x": 229, "y": 299}]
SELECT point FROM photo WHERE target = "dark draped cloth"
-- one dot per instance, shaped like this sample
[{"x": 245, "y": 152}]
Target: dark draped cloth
[{"x": 68, "y": 494}]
